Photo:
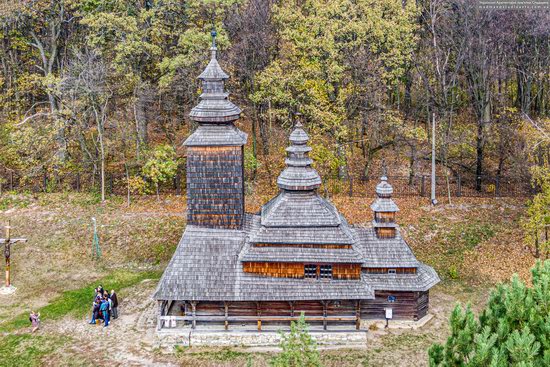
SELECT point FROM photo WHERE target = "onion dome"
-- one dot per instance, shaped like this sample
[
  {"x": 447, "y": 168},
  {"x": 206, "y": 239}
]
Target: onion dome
[
  {"x": 384, "y": 189},
  {"x": 214, "y": 106},
  {"x": 384, "y": 202},
  {"x": 298, "y": 174}
]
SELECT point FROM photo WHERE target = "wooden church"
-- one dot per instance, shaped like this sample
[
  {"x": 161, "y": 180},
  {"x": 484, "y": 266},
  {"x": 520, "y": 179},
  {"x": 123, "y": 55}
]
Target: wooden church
[{"x": 297, "y": 255}]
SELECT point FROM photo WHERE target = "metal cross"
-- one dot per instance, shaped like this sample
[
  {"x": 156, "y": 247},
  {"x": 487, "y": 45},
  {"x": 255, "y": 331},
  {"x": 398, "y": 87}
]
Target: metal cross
[{"x": 7, "y": 242}]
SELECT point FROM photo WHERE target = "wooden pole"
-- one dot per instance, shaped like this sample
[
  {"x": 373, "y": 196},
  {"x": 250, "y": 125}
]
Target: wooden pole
[
  {"x": 7, "y": 254},
  {"x": 358, "y": 315},
  {"x": 226, "y": 323},
  {"x": 433, "y": 199},
  {"x": 259, "y": 313},
  {"x": 324, "y": 315},
  {"x": 194, "y": 310}
]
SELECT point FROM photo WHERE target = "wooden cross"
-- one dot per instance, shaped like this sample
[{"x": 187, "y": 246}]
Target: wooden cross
[{"x": 7, "y": 242}]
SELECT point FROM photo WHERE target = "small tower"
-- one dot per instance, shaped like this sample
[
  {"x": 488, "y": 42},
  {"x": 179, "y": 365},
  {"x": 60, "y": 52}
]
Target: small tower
[
  {"x": 215, "y": 166},
  {"x": 384, "y": 209},
  {"x": 298, "y": 174}
]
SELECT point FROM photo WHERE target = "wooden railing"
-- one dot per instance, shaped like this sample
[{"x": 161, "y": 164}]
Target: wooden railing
[{"x": 171, "y": 321}]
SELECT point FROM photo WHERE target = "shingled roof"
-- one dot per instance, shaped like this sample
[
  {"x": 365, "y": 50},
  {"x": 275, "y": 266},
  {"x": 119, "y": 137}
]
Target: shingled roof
[
  {"x": 214, "y": 106},
  {"x": 385, "y": 252},
  {"x": 206, "y": 267},
  {"x": 424, "y": 279},
  {"x": 298, "y": 215}
]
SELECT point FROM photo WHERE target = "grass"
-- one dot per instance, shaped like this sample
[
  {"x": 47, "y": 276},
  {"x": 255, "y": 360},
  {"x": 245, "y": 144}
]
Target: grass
[
  {"x": 27, "y": 350},
  {"x": 77, "y": 302}
]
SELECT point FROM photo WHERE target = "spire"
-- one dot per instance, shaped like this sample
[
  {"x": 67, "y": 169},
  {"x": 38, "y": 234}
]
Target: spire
[
  {"x": 298, "y": 174},
  {"x": 214, "y": 107}
]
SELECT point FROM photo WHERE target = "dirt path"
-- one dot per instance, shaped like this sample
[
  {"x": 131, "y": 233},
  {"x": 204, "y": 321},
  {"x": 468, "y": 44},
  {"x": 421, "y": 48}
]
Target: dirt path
[{"x": 129, "y": 340}]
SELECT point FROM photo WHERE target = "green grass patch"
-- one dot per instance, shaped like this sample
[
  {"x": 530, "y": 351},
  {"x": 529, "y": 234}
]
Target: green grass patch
[
  {"x": 78, "y": 302},
  {"x": 222, "y": 355},
  {"x": 345, "y": 358},
  {"x": 27, "y": 350},
  {"x": 11, "y": 200},
  {"x": 471, "y": 234}
]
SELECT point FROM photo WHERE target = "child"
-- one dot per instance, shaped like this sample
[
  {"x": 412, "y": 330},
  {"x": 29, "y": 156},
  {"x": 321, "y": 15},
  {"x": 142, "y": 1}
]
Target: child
[{"x": 35, "y": 320}]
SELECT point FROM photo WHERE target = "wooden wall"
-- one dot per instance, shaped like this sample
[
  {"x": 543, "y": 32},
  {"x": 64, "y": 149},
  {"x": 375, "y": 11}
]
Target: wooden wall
[
  {"x": 385, "y": 270},
  {"x": 215, "y": 187},
  {"x": 407, "y": 305},
  {"x": 329, "y": 246},
  {"x": 385, "y": 216},
  {"x": 296, "y": 270},
  {"x": 281, "y": 270},
  {"x": 385, "y": 232},
  {"x": 346, "y": 271}
]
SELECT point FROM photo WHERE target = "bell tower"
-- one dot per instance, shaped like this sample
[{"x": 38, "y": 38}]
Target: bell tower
[
  {"x": 384, "y": 209},
  {"x": 215, "y": 155}
]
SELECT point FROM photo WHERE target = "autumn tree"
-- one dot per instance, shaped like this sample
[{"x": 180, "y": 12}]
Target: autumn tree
[
  {"x": 160, "y": 166},
  {"x": 315, "y": 71}
]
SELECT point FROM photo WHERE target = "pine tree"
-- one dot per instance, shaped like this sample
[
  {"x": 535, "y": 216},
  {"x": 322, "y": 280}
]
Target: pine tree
[
  {"x": 513, "y": 329},
  {"x": 299, "y": 349}
]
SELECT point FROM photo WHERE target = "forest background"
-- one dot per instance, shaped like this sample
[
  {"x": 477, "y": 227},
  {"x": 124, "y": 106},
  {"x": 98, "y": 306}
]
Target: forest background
[{"x": 95, "y": 94}]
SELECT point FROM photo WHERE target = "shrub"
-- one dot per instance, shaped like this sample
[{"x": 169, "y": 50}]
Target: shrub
[{"x": 299, "y": 349}]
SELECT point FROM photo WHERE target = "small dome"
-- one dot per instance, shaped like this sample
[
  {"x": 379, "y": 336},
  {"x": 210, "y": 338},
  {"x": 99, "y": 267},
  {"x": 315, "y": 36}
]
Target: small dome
[
  {"x": 298, "y": 174},
  {"x": 384, "y": 189}
]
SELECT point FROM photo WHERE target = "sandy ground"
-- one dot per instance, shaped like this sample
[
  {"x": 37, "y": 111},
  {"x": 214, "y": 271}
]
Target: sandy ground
[{"x": 131, "y": 339}]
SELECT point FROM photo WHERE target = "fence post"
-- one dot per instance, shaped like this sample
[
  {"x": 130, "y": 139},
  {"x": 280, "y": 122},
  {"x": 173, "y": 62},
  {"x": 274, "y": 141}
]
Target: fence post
[
  {"x": 423, "y": 186},
  {"x": 78, "y": 181},
  {"x": 458, "y": 186},
  {"x": 11, "y": 180},
  {"x": 111, "y": 183},
  {"x": 45, "y": 181},
  {"x": 497, "y": 186}
]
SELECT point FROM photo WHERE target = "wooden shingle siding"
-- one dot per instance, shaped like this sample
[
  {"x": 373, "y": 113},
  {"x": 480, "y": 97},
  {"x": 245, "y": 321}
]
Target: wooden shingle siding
[
  {"x": 296, "y": 270},
  {"x": 346, "y": 271},
  {"x": 385, "y": 270},
  {"x": 215, "y": 187},
  {"x": 282, "y": 270},
  {"x": 335, "y": 247},
  {"x": 385, "y": 232}
]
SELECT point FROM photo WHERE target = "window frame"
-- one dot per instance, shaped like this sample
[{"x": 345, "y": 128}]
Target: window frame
[
  {"x": 309, "y": 273},
  {"x": 322, "y": 271}
]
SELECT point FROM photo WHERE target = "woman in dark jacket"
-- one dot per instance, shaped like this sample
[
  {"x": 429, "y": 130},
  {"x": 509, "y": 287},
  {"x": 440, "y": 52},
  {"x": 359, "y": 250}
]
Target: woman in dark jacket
[{"x": 114, "y": 299}]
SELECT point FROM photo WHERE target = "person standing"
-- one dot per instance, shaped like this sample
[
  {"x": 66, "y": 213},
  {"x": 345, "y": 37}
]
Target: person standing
[
  {"x": 104, "y": 308},
  {"x": 114, "y": 300},
  {"x": 35, "y": 320},
  {"x": 95, "y": 311}
]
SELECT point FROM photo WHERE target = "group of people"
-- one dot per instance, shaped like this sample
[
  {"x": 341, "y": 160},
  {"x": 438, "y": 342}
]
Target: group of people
[{"x": 104, "y": 307}]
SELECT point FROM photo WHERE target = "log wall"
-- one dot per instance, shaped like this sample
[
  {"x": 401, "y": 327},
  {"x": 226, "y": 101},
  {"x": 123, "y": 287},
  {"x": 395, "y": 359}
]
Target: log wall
[
  {"x": 215, "y": 187},
  {"x": 407, "y": 305}
]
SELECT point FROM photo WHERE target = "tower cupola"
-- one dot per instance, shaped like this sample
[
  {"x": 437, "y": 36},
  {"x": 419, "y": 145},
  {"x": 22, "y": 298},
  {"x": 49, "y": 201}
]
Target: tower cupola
[
  {"x": 298, "y": 174},
  {"x": 384, "y": 209}
]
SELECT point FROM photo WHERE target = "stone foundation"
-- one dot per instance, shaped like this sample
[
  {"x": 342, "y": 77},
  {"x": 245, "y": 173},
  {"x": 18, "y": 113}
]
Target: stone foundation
[{"x": 171, "y": 338}]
